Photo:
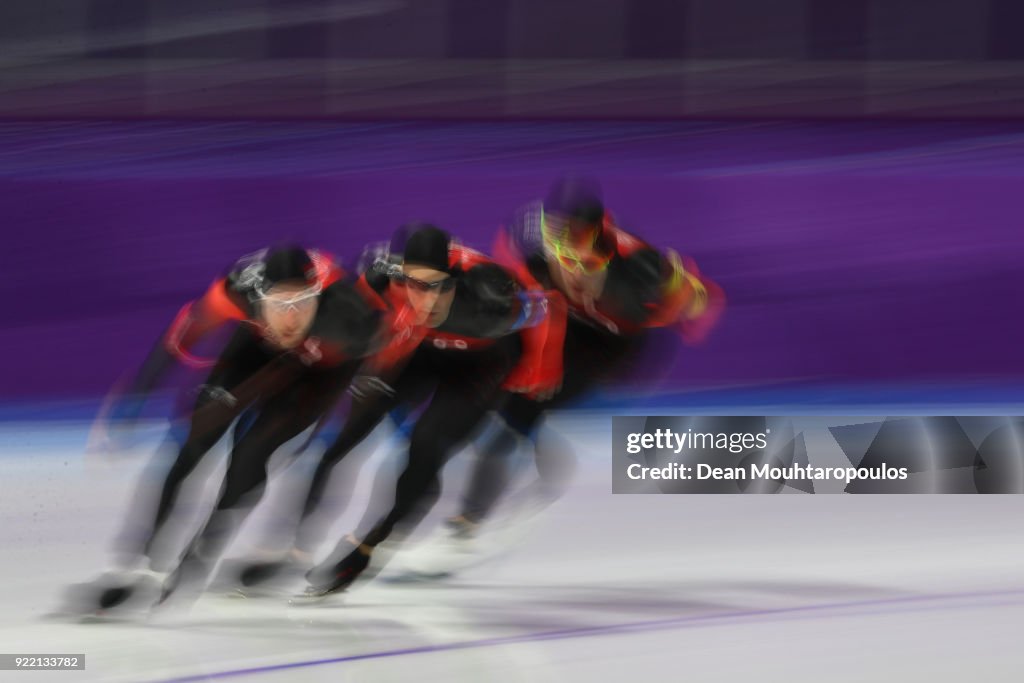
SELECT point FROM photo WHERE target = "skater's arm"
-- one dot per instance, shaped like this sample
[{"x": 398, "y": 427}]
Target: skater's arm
[
  {"x": 692, "y": 301},
  {"x": 666, "y": 289},
  {"x": 199, "y": 318},
  {"x": 347, "y": 327},
  {"x": 372, "y": 398},
  {"x": 194, "y": 321},
  {"x": 538, "y": 373}
]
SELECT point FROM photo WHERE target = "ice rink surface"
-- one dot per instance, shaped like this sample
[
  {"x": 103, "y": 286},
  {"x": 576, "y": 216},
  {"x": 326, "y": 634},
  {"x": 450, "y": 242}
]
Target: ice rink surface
[{"x": 604, "y": 588}]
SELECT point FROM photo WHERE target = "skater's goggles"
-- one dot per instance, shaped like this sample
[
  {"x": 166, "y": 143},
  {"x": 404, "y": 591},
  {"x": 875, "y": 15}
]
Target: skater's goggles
[
  {"x": 573, "y": 261},
  {"x": 441, "y": 286},
  {"x": 575, "y": 250},
  {"x": 280, "y": 302}
]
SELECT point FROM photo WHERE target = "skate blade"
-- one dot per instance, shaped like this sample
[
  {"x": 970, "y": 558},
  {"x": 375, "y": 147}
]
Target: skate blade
[
  {"x": 236, "y": 594},
  {"x": 408, "y": 576},
  {"x": 120, "y": 617},
  {"x": 253, "y": 593},
  {"x": 306, "y": 600},
  {"x": 438, "y": 566},
  {"x": 112, "y": 603},
  {"x": 67, "y": 616}
]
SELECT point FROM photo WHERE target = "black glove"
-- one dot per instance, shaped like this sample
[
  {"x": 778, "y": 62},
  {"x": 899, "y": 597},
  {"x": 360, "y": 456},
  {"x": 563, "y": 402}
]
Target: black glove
[
  {"x": 212, "y": 393},
  {"x": 365, "y": 387}
]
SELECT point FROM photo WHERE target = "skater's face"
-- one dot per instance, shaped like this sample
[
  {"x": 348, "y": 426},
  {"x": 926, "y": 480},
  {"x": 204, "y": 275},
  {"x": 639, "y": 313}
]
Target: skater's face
[
  {"x": 573, "y": 242},
  {"x": 430, "y": 293},
  {"x": 577, "y": 265},
  {"x": 288, "y": 311},
  {"x": 579, "y": 287}
]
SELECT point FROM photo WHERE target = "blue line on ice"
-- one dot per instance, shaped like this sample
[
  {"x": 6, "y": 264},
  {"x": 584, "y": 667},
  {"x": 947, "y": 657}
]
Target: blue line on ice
[{"x": 912, "y": 601}]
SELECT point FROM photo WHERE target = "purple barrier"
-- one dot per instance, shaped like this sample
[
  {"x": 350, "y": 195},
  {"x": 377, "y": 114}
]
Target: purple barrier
[{"x": 848, "y": 252}]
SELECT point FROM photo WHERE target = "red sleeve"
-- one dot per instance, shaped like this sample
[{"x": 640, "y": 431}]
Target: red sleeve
[
  {"x": 540, "y": 367},
  {"x": 198, "y": 318},
  {"x": 403, "y": 337},
  {"x": 372, "y": 296},
  {"x": 693, "y": 302}
]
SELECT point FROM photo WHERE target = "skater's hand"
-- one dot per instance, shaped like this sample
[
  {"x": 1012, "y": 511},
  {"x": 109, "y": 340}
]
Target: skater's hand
[
  {"x": 115, "y": 430},
  {"x": 109, "y": 442},
  {"x": 545, "y": 394},
  {"x": 365, "y": 387},
  {"x": 126, "y": 410},
  {"x": 695, "y": 330},
  {"x": 520, "y": 380},
  {"x": 533, "y": 383}
]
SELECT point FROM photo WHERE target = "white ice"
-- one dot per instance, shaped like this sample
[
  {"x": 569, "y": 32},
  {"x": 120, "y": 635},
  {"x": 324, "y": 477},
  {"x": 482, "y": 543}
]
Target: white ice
[{"x": 607, "y": 588}]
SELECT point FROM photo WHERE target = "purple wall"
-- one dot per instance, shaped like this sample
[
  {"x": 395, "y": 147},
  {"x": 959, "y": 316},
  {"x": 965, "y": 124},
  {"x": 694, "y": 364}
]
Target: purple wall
[
  {"x": 849, "y": 251},
  {"x": 501, "y": 59}
]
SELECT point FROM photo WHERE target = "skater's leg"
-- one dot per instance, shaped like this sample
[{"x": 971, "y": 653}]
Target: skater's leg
[
  {"x": 468, "y": 386},
  {"x": 489, "y": 478},
  {"x": 202, "y": 437},
  {"x": 364, "y": 417},
  {"x": 382, "y": 493},
  {"x": 448, "y": 420},
  {"x": 280, "y": 419},
  {"x": 465, "y": 394},
  {"x": 368, "y": 409},
  {"x": 589, "y": 358},
  {"x": 236, "y": 382},
  {"x": 219, "y": 403}
]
